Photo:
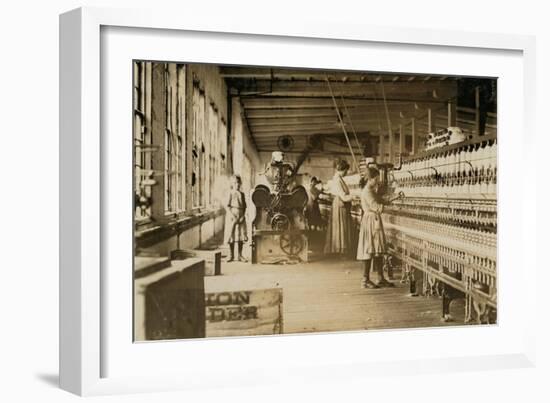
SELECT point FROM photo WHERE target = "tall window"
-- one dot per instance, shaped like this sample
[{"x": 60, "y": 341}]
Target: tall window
[
  {"x": 202, "y": 154},
  {"x": 199, "y": 150},
  {"x": 212, "y": 151},
  {"x": 162, "y": 133},
  {"x": 222, "y": 152},
  {"x": 173, "y": 140},
  {"x": 142, "y": 141},
  {"x": 181, "y": 136}
]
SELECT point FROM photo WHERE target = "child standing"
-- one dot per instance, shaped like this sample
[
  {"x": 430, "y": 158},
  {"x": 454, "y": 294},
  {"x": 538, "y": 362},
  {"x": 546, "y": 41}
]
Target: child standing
[
  {"x": 235, "y": 221},
  {"x": 338, "y": 234},
  {"x": 313, "y": 212},
  {"x": 371, "y": 247}
]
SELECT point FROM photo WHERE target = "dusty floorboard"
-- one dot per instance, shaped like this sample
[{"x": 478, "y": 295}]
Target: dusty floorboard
[{"x": 326, "y": 296}]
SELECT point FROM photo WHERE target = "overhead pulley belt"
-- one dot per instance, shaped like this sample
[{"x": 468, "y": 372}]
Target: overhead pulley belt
[
  {"x": 350, "y": 122},
  {"x": 343, "y": 127},
  {"x": 388, "y": 120}
]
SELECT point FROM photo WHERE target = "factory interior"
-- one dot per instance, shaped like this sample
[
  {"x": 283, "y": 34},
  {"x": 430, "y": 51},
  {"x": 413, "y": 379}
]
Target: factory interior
[{"x": 253, "y": 212}]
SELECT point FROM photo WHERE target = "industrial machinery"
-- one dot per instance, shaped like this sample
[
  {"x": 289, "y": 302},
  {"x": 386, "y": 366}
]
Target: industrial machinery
[
  {"x": 444, "y": 231},
  {"x": 279, "y": 228}
]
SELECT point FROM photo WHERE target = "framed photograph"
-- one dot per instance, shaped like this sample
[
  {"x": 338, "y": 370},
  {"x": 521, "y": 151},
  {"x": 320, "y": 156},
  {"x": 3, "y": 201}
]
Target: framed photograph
[{"x": 232, "y": 197}]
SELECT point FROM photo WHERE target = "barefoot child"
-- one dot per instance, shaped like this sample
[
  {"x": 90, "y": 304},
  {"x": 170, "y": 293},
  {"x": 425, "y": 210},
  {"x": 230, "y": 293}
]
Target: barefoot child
[
  {"x": 371, "y": 247},
  {"x": 235, "y": 222}
]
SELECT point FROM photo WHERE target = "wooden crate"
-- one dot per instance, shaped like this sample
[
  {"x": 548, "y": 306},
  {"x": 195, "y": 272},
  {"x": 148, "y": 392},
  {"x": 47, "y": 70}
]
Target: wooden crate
[
  {"x": 169, "y": 304},
  {"x": 244, "y": 312}
]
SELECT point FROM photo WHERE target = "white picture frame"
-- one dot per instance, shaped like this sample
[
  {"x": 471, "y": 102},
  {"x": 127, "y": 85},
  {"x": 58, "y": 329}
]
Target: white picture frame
[{"x": 83, "y": 302}]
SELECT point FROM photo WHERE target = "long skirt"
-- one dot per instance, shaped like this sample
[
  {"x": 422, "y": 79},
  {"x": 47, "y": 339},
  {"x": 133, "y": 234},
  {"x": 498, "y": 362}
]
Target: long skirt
[
  {"x": 338, "y": 238},
  {"x": 372, "y": 240},
  {"x": 313, "y": 214},
  {"x": 233, "y": 231}
]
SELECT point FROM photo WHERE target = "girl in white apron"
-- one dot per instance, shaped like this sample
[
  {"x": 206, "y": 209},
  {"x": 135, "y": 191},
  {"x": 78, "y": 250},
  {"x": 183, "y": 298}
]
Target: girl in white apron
[{"x": 371, "y": 246}]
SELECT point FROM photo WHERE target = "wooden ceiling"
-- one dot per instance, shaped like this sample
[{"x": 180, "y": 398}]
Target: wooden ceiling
[{"x": 299, "y": 102}]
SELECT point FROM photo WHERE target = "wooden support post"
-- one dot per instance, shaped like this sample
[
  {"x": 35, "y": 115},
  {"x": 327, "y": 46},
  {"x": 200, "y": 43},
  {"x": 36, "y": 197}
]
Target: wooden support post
[
  {"x": 413, "y": 130},
  {"x": 451, "y": 113},
  {"x": 382, "y": 148},
  {"x": 431, "y": 121},
  {"x": 477, "y": 121},
  {"x": 401, "y": 140},
  {"x": 390, "y": 151}
]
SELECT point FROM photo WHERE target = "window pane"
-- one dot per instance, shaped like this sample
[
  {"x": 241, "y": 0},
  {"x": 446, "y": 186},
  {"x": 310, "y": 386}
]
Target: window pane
[{"x": 142, "y": 145}]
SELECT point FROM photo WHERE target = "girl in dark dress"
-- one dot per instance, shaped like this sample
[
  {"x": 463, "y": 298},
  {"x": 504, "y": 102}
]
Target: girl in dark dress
[{"x": 313, "y": 213}]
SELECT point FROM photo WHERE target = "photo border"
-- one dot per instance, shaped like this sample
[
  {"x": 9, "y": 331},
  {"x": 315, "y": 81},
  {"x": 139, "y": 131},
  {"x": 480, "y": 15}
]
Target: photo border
[{"x": 81, "y": 305}]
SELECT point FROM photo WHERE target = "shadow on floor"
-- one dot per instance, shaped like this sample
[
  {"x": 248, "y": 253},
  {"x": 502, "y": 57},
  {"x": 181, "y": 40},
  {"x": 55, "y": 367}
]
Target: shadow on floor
[{"x": 49, "y": 379}]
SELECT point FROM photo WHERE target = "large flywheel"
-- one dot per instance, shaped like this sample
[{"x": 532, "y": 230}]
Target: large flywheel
[{"x": 292, "y": 243}]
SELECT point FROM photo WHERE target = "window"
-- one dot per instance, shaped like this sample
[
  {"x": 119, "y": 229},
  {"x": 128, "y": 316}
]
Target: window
[
  {"x": 199, "y": 149},
  {"x": 181, "y": 137},
  {"x": 222, "y": 151},
  {"x": 212, "y": 152},
  {"x": 143, "y": 174},
  {"x": 202, "y": 151},
  {"x": 174, "y": 139},
  {"x": 164, "y": 184}
]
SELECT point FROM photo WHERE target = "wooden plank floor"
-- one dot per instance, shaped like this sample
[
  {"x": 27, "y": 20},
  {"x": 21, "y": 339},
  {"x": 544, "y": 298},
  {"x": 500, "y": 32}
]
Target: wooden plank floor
[{"x": 326, "y": 296}]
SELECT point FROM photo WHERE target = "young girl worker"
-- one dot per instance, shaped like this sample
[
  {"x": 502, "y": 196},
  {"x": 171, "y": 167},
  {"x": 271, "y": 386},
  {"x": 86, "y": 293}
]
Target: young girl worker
[
  {"x": 338, "y": 236},
  {"x": 371, "y": 247}
]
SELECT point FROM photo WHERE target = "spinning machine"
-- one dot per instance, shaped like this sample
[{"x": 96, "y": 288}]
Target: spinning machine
[{"x": 445, "y": 230}]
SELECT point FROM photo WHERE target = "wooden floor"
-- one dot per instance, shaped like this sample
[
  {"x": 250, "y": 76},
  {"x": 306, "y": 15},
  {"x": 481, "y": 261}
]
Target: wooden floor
[{"x": 326, "y": 296}]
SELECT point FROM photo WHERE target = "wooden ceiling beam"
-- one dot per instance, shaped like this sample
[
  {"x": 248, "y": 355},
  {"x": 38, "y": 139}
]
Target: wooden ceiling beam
[
  {"x": 309, "y": 131},
  {"x": 296, "y": 128},
  {"x": 339, "y": 88},
  {"x": 362, "y": 94},
  {"x": 297, "y": 140},
  {"x": 282, "y": 122},
  {"x": 258, "y": 136},
  {"x": 268, "y": 136},
  {"x": 327, "y": 103},
  {"x": 300, "y": 141},
  {"x": 272, "y": 114},
  {"x": 369, "y": 116},
  {"x": 304, "y": 139},
  {"x": 276, "y": 111},
  {"x": 266, "y": 73}
]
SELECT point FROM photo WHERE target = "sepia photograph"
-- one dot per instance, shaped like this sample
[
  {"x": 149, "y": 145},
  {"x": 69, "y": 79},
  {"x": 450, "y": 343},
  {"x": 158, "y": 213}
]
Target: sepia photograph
[{"x": 278, "y": 200}]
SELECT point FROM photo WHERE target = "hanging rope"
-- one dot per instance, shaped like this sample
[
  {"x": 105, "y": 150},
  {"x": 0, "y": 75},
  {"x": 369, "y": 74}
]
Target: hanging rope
[
  {"x": 350, "y": 122},
  {"x": 376, "y": 106},
  {"x": 343, "y": 125},
  {"x": 388, "y": 120}
]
